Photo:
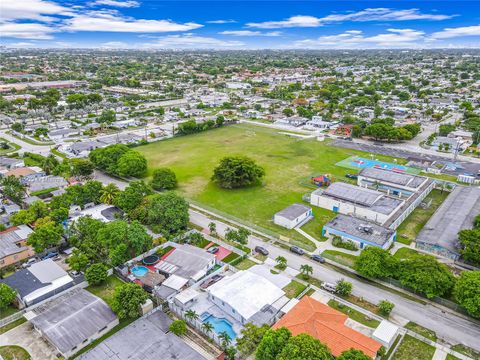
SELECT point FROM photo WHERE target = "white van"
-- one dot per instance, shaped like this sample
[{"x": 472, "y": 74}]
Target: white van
[{"x": 329, "y": 287}]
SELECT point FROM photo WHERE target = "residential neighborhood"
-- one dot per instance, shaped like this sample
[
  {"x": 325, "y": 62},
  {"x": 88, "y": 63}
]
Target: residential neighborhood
[{"x": 222, "y": 202}]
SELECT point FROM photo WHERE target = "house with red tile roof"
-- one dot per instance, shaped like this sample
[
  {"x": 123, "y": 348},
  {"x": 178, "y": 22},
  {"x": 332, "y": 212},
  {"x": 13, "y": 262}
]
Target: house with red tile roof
[{"x": 320, "y": 321}]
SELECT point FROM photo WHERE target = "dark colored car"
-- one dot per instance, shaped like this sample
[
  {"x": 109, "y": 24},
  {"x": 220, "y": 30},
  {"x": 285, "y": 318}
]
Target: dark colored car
[
  {"x": 210, "y": 281},
  {"x": 352, "y": 176},
  {"x": 213, "y": 250},
  {"x": 51, "y": 255},
  {"x": 261, "y": 250},
  {"x": 318, "y": 258},
  {"x": 297, "y": 250}
]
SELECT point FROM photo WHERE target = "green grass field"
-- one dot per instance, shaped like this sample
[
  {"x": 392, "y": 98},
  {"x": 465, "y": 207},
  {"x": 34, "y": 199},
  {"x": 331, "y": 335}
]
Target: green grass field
[
  {"x": 106, "y": 290},
  {"x": 14, "y": 352},
  {"x": 429, "y": 334},
  {"x": 294, "y": 289},
  {"x": 409, "y": 229},
  {"x": 354, "y": 314},
  {"x": 287, "y": 162},
  {"x": 405, "y": 253},
  {"x": 413, "y": 349}
]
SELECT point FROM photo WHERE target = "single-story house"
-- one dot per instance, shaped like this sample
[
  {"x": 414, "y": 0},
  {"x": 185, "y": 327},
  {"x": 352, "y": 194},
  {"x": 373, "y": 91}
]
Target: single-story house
[
  {"x": 146, "y": 338},
  {"x": 11, "y": 163},
  {"x": 293, "y": 216},
  {"x": 248, "y": 297},
  {"x": 311, "y": 317},
  {"x": 103, "y": 212},
  {"x": 360, "y": 232},
  {"x": 40, "y": 281},
  {"x": 71, "y": 322},
  {"x": 45, "y": 182},
  {"x": 188, "y": 262},
  {"x": 13, "y": 245}
]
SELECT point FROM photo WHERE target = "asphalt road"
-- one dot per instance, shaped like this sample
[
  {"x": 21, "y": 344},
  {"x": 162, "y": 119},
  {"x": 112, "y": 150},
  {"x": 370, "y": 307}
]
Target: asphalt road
[{"x": 449, "y": 327}]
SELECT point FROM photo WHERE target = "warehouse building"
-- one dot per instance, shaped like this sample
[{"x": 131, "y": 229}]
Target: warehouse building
[{"x": 439, "y": 236}]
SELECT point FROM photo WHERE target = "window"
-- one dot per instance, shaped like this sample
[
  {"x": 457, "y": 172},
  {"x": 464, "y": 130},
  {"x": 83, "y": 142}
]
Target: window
[{"x": 233, "y": 310}]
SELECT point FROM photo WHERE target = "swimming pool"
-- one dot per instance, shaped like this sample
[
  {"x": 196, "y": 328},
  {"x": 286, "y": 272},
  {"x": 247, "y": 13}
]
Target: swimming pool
[
  {"x": 139, "y": 271},
  {"x": 219, "y": 325}
]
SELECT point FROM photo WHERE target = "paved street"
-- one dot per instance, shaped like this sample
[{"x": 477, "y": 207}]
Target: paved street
[
  {"x": 26, "y": 147},
  {"x": 448, "y": 326}
]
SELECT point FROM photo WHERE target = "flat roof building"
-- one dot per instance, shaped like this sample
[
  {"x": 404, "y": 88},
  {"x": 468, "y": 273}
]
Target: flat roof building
[
  {"x": 293, "y": 216},
  {"x": 397, "y": 183},
  {"x": 440, "y": 234},
  {"x": 73, "y": 321},
  {"x": 360, "y": 232},
  {"x": 353, "y": 200}
]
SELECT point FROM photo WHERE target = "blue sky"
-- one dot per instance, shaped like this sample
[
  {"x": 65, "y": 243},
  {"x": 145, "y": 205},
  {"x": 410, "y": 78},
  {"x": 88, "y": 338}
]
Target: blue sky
[{"x": 248, "y": 24}]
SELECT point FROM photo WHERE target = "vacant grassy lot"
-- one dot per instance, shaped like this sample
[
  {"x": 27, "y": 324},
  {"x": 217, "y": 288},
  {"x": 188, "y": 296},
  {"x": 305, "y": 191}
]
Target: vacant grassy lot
[
  {"x": 340, "y": 257},
  {"x": 409, "y": 229},
  {"x": 106, "y": 290},
  {"x": 405, "y": 253},
  {"x": 429, "y": 334},
  {"x": 287, "y": 162},
  {"x": 413, "y": 349},
  {"x": 294, "y": 289},
  {"x": 354, "y": 314},
  {"x": 14, "y": 353}
]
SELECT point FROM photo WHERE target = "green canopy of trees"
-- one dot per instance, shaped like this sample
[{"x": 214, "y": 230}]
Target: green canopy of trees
[
  {"x": 164, "y": 179},
  {"x": 467, "y": 292},
  {"x": 127, "y": 299},
  {"x": 120, "y": 160},
  {"x": 237, "y": 172}
]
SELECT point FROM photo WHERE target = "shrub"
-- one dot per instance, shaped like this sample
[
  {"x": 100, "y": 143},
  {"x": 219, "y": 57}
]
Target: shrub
[
  {"x": 338, "y": 242},
  {"x": 164, "y": 179},
  {"x": 96, "y": 274},
  {"x": 385, "y": 307},
  {"x": 178, "y": 327}
]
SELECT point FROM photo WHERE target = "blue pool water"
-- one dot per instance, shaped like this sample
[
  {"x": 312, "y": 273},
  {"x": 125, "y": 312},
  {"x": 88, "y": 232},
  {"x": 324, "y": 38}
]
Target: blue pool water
[
  {"x": 362, "y": 163},
  {"x": 219, "y": 325},
  {"x": 139, "y": 271}
]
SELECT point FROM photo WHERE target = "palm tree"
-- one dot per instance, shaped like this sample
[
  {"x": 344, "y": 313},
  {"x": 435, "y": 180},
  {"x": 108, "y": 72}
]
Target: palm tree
[
  {"x": 207, "y": 327},
  {"x": 225, "y": 338},
  {"x": 281, "y": 262},
  {"x": 49, "y": 163},
  {"x": 191, "y": 315},
  {"x": 109, "y": 193},
  {"x": 306, "y": 270}
]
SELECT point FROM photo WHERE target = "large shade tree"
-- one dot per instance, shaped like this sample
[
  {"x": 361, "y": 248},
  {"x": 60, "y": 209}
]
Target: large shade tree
[{"x": 237, "y": 172}]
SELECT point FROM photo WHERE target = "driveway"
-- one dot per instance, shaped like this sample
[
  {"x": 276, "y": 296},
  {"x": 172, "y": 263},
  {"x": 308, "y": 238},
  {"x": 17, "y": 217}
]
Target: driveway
[{"x": 29, "y": 339}]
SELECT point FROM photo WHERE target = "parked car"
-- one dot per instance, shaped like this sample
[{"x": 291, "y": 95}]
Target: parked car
[
  {"x": 318, "y": 258},
  {"x": 297, "y": 250},
  {"x": 211, "y": 281},
  {"x": 329, "y": 287},
  {"x": 213, "y": 250},
  {"x": 51, "y": 255},
  {"x": 29, "y": 263},
  {"x": 261, "y": 250},
  {"x": 352, "y": 176},
  {"x": 75, "y": 273}
]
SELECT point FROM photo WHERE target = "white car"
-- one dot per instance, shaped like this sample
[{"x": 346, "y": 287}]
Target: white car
[
  {"x": 329, "y": 287},
  {"x": 29, "y": 262}
]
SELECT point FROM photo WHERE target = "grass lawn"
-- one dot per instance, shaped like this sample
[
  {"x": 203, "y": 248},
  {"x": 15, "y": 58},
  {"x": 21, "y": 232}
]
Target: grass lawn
[
  {"x": 314, "y": 227},
  {"x": 287, "y": 162},
  {"x": 451, "y": 357},
  {"x": 340, "y": 257},
  {"x": 294, "y": 289},
  {"x": 429, "y": 334},
  {"x": 106, "y": 290},
  {"x": 12, "y": 325},
  {"x": 11, "y": 147},
  {"x": 409, "y": 229},
  {"x": 10, "y": 310},
  {"x": 405, "y": 253},
  {"x": 231, "y": 257},
  {"x": 354, "y": 314},
  {"x": 413, "y": 349},
  {"x": 13, "y": 352},
  {"x": 245, "y": 264},
  {"x": 462, "y": 349}
]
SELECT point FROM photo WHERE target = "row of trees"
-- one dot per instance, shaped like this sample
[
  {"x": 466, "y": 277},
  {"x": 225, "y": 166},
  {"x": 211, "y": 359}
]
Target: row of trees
[
  {"x": 423, "y": 274},
  {"x": 191, "y": 126},
  {"x": 120, "y": 160},
  {"x": 470, "y": 242}
]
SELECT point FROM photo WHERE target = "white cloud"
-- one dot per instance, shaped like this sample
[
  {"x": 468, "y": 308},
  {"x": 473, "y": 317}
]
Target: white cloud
[
  {"x": 21, "y": 44},
  {"x": 31, "y": 9},
  {"x": 191, "y": 41},
  {"x": 294, "y": 21},
  {"x": 250, "y": 33},
  {"x": 26, "y": 30},
  {"x": 394, "y": 38},
  {"x": 230, "y": 21},
  {"x": 457, "y": 32},
  {"x": 370, "y": 14},
  {"x": 114, "y": 45},
  {"x": 112, "y": 21},
  {"x": 116, "y": 3}
]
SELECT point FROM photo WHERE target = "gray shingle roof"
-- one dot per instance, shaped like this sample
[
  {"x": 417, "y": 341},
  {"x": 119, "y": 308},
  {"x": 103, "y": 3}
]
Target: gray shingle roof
[{"x": 293, "y": 211}]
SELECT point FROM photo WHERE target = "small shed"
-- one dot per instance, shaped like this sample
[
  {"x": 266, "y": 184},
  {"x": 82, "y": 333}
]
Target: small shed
[
  {"x": 293, "y": 216},
  {"x": 385, "y": 333}
]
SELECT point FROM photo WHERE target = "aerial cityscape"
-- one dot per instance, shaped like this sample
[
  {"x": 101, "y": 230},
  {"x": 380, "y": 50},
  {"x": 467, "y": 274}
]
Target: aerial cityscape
[{"x": 232, "y": 180}]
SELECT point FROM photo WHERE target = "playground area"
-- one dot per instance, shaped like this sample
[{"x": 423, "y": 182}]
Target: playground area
[{"x": 359, "y": 163}]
